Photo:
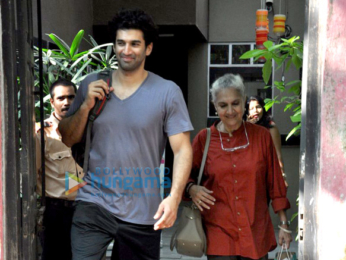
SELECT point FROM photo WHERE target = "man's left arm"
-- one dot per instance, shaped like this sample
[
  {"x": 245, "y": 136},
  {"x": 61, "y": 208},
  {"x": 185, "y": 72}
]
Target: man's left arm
[{"x": 167, "y": 211}]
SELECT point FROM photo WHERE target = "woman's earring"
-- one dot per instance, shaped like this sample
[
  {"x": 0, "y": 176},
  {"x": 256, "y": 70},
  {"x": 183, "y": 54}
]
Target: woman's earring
[{"x": 216, "y": 113}]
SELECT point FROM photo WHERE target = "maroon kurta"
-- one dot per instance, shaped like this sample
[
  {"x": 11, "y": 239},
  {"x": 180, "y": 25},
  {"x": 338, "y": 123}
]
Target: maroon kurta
[{"x": 239, "y": 223}]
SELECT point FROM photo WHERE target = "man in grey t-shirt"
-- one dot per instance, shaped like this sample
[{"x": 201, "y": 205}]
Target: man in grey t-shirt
[{"x": 121, "y": 200}]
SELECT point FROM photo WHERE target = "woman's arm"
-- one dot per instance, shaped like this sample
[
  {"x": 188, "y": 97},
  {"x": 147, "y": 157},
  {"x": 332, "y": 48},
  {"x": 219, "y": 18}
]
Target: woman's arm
[
  {"x": 274, "y": 132},
  {"x": 199, "y": 194},
  {"x": 284, "y": 233}
]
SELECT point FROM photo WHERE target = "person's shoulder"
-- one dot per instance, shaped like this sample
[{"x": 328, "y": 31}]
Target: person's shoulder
[
  {"x": 93, "y": 76},
  {"x": 46, "y": 124},
  {"x": 203, "y": 132},
  {"x": 90, "y": 77},
  {"x": 201, "y": 136},
  {"x": 272, "y": 123},
  {"x": 164, "y": 84}
]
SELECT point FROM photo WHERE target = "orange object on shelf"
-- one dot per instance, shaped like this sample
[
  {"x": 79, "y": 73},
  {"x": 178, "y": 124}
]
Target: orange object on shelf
[
  {"x": 261, "y": 36},
  {"x": 261, "y": 18},
  {"x": 262, "y": 30},
  {"x": 279, "y": 24},
  {"x": 261, "y": 47}
]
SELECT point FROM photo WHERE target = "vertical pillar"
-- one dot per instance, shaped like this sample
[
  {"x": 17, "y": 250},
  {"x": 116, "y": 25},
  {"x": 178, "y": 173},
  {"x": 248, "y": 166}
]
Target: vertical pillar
[
  {"x": 25, "y": 67},
  {"x": 1, "y": 174},
  {"x": 10, "y": 177},
  {"x": 323, "y": 164}
]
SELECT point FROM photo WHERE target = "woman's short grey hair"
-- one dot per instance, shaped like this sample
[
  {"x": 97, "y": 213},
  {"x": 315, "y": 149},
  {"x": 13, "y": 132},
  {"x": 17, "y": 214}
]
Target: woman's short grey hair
[{"x": 225, "y": 82}]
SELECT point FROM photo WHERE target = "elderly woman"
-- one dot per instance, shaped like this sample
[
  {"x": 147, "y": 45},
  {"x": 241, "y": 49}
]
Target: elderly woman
[
  {"x": 256, "y": 113},
  {"x": 241, "y": 172}
]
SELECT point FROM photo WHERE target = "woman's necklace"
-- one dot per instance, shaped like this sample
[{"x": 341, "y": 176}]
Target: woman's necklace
[
  {"x": 219, "y": 128},
  {"x": 234, "y": 148}
]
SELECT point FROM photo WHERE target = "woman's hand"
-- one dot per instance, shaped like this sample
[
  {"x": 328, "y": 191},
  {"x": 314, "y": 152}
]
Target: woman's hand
[
  {"x": 285, "y": 237},
  {"x": 252, "y": 119},
  {"x": 201, "y": 197}
]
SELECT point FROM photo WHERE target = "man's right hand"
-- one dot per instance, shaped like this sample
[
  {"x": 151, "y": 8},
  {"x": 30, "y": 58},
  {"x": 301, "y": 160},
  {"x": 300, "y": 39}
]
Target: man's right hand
[
  {"x": 72, "y": 128},
  {"x": 96, "y": 89}
]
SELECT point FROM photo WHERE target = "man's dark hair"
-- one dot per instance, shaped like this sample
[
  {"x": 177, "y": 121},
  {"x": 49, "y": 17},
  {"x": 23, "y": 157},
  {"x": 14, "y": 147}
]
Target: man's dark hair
[
  {"x": 127, "y": 19},
  {"x": 61, "y": 82}
]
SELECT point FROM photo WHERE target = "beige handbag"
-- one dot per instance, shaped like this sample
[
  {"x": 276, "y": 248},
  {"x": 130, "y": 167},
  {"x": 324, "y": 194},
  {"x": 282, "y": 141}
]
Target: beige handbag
[{"x": 189, "y": 239}]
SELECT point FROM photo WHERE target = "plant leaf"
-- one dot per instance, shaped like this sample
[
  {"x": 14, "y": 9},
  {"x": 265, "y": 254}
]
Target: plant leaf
[
  {"x": 89, "y": 52},
  {"x": 45, "y": 99},
  {"x": 251, "y": 54},
  {"x": 108, "y": 52},
  {"x": 296, "y": 89},
  {"x": 294, "y": 216},
  {"x": 296, "y": 118},
  {"x": 81, "y": 70},
  {"x": 93, "y": 41},
  {"x": 297, "y": 62},
  {"x": 61, "y": 46},
  {"x": 295, "y": 130},
  {"x": 269, "y": 104},
  {"x": 76, "y": 42},
  {"x": 293, "y": 82},
  {"x": 64, "y": 68},
  {"x": 268, "y": 44},
  {"x": 283, "y": 99},
  {"x": 267, "y": 71}
]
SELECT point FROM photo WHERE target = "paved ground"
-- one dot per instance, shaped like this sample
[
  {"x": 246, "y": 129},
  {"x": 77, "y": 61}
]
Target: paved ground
[{"x": 166, "y": 253}]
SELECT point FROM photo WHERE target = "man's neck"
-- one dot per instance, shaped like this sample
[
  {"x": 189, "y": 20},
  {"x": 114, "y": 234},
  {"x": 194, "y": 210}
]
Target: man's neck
[
  {"x": 130, "y": 78},
  {"x": 57, "y": 116}
]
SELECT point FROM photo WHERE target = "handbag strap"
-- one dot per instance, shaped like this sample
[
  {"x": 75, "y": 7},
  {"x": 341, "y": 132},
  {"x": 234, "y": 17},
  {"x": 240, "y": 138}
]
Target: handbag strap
[
  {"x": 287, "y": 252},
  {"x": 206, "y": 147}
]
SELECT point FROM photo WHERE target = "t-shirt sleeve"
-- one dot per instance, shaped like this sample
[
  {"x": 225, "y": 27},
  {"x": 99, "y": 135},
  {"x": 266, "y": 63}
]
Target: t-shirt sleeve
[{"x": 177, "y": 118}]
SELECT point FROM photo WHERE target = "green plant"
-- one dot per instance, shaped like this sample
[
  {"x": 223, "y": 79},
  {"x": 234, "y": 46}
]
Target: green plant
[
  {"x": 69, "y": 63},
  {"x": 283, "y": 54}
]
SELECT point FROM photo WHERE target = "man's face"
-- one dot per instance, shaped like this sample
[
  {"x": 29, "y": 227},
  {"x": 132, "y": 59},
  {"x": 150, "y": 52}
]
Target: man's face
[
  {"x": 130, "y": 49},
  {"x": 63, "y": 97}
]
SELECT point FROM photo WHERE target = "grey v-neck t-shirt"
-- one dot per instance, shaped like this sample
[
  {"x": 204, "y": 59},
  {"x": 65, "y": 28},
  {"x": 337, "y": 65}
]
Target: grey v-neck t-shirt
[{"x": 128, "y": 140}]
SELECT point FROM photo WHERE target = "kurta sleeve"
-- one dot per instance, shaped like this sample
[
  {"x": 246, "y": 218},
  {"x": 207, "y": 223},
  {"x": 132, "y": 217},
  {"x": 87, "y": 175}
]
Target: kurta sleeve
[{"x": 275, "y": 181}]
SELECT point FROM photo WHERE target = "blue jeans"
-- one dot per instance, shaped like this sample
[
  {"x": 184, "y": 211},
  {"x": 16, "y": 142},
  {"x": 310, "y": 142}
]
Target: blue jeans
[{"x": 94, "y": 227}]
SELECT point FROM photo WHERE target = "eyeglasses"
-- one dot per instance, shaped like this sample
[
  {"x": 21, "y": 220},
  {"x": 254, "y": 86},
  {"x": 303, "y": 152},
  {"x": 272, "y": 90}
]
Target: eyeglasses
[{"x": 238, "y": 147}]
